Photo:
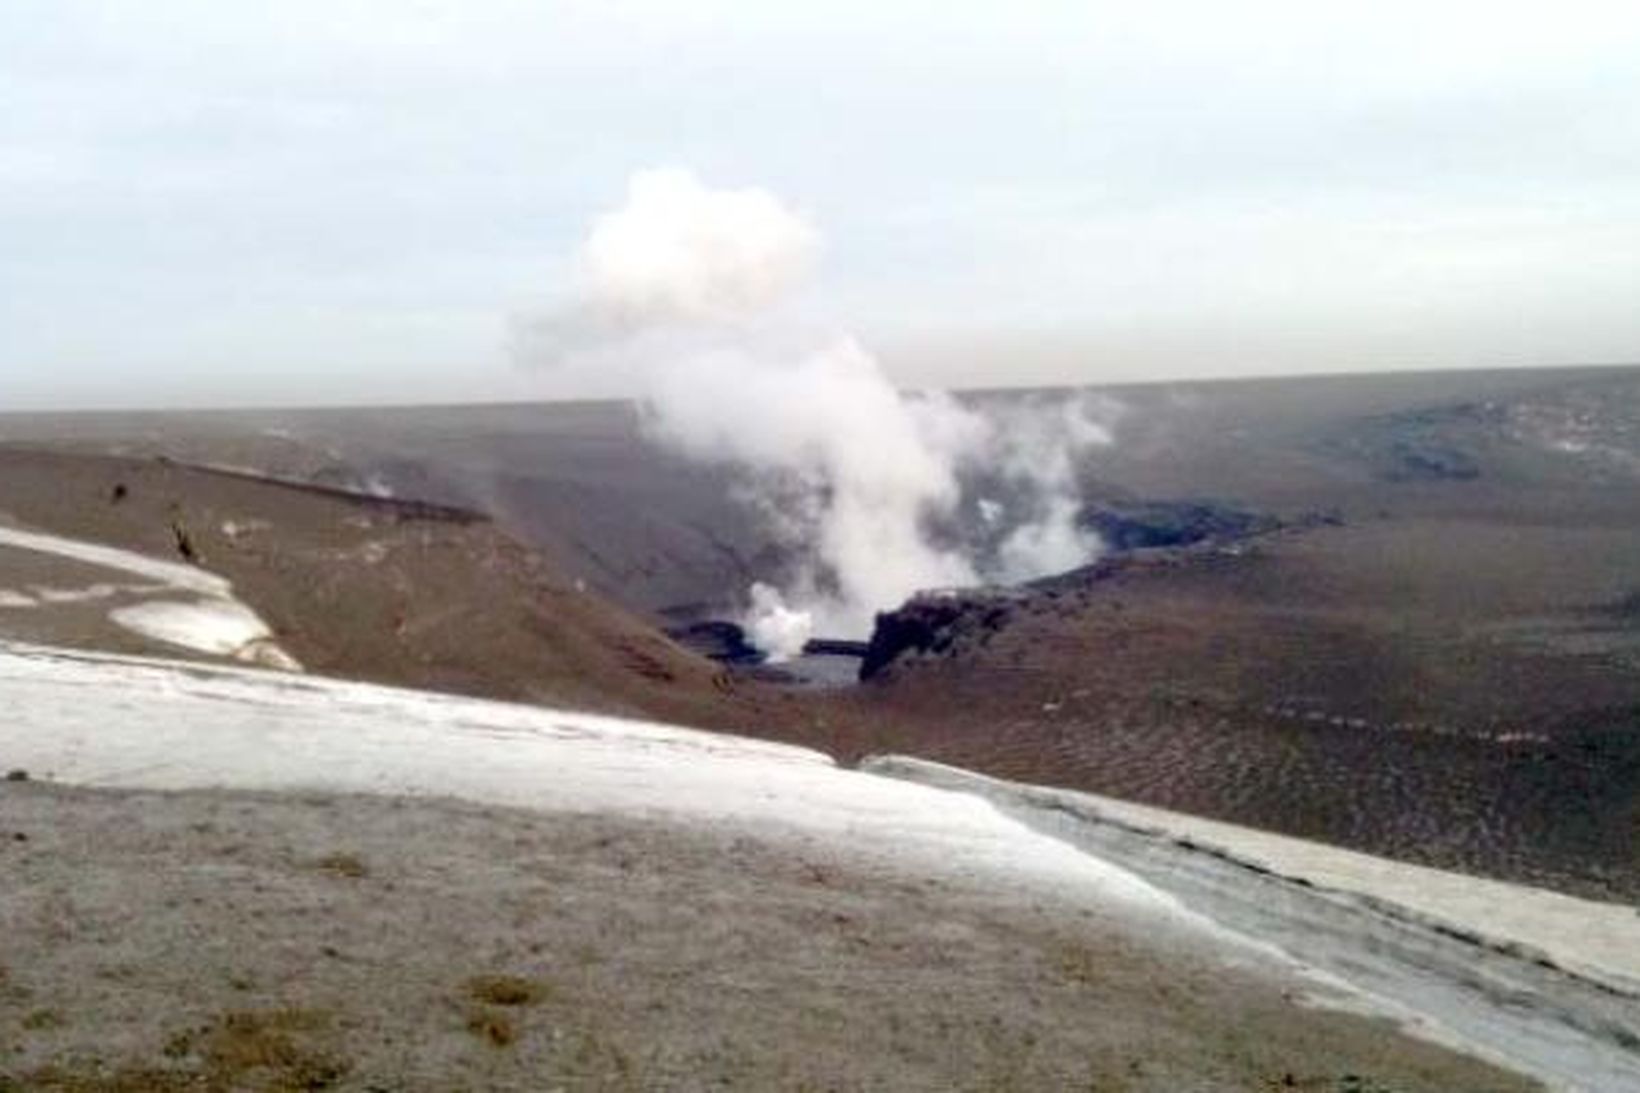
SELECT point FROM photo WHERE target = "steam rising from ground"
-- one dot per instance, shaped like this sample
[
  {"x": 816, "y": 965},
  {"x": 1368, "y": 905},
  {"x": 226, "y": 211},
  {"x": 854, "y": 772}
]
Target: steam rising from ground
[
  {"x": 679, "y": 253},
  {"x": 681, "y": 287}
]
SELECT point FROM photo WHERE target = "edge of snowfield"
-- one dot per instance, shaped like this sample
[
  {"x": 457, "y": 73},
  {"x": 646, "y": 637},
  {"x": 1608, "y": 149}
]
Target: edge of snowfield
[
  {"x": 106, "y": 720},
  {"x": 213, "y": 621},
  {"x": 1591, "y": 940},
  {"x": 1542, "y": 982}
]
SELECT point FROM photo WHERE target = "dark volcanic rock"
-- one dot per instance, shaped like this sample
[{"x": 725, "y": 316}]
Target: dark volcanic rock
[
  {"x": 932, "y": 622},
  {"x": 1625, "y": 608},
  {"x": 1420, "y": 460},
  {"x": 348, "y": 489},
  {"x": 725, "y": 642},
  {"x": 1150, "y": 524},
  {"x": 718, "y": 640},
  {"x": 835, "y": 647},
  {"x": 1171, "y": 532},
  {"x": 1433, "y": 444}
]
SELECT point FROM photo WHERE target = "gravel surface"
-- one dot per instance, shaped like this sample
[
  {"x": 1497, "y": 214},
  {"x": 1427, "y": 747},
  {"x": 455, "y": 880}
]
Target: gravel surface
[{"x": 213, "y": 940}]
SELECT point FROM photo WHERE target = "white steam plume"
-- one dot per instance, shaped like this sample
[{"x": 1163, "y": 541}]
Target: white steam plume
[
  {"x": 779, "y": 631},
  {"x": 679, "y": 252},
  {"x": 1039, "y": 445},
  {"x": 675, "y": 286}
]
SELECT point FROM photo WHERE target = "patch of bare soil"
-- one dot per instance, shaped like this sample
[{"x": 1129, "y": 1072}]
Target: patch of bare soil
[{"x": 215, "y": 941}]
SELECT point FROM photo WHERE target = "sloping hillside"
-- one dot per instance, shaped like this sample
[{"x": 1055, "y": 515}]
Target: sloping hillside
[
  {"x": 530, "y": 895},
  {"x": 354, "y": 586}
]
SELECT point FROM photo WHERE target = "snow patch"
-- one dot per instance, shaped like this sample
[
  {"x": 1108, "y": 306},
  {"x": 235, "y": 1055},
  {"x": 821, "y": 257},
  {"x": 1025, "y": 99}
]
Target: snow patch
[
  {"x": 215, "y": 622},
  {"x": 99, "y": 719},
  {"x": 173, "y": 574},
  {"x": 199, "y": 726},
  {"x": 1598, "y": 940},
  {"x": 74, "y": 595},
  {"x": 239, "y": 529},
  {"x": 222, "y": 627},
  {"x": 1533, "y": 980}
]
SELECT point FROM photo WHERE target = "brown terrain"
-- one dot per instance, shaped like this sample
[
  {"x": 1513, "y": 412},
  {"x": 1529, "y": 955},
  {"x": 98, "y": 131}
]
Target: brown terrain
[
  {"x": 367, "y": 588},
  {"x": 1445, "y": 668},
  {"x": 1397, "y": 614},
  {"x": 215, "y": 941},
  {"x": 1406, "y": 622}
]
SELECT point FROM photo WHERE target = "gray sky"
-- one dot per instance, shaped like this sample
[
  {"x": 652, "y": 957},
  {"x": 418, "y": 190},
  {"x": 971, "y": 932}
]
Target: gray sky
[{"x": 210, "y": 202}]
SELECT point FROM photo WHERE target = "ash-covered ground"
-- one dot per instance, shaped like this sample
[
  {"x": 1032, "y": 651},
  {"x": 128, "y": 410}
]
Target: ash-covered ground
[
  {"x": 342, "y": 886},
  {"x": 1395, "y": 613}
]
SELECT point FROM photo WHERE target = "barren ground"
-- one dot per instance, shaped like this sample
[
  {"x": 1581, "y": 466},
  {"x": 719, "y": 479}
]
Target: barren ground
[{"x": 211, "y": 940}]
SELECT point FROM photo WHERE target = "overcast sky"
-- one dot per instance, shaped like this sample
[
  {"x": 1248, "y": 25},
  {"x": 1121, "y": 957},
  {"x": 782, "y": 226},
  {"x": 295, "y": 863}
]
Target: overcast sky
[{"x": 215, "y": 202}]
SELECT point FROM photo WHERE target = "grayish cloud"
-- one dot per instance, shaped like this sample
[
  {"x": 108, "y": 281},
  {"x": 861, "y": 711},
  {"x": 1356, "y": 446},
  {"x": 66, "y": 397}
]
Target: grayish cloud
[{"x": 208, "y": 203}]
